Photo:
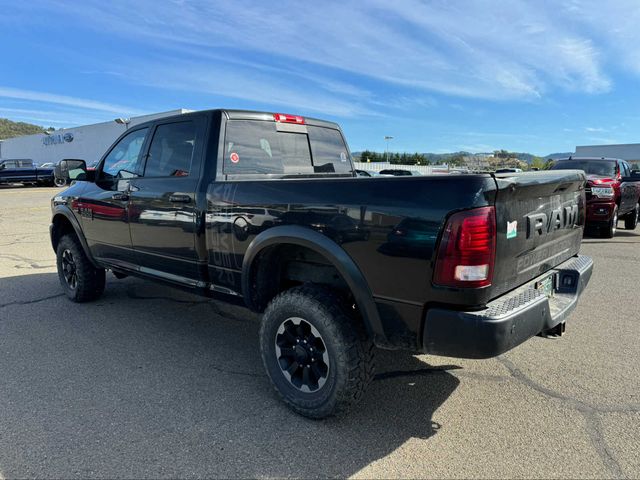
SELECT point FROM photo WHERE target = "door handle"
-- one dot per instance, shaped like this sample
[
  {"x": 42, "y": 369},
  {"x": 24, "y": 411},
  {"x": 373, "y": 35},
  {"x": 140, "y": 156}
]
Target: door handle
[
  {"x": 123, "y": 196},
  {"x": 178, "y": 198}
]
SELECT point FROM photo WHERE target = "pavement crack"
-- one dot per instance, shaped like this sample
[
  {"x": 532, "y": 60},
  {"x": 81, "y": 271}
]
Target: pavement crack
[
  {"x": 18, "y": 258},
  {"x": 29, "y": 302},
  {"x": 589, "y": 412},
  {"x": 235, "y": 372}
]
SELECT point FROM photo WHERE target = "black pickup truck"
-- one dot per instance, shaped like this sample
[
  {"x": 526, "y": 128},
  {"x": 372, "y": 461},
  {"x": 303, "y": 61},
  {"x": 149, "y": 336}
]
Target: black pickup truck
[
  {"x": 25, "y": 171},
  {"x": 266, "y": 209}
]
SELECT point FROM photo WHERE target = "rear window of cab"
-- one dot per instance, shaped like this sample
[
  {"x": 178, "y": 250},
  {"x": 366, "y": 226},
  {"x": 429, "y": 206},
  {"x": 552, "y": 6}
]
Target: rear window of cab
[{"x": 258, "y": 147}]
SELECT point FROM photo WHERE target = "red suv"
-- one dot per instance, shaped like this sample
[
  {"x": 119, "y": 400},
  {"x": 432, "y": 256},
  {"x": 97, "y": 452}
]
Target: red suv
[{"x": 613, "y": 192}]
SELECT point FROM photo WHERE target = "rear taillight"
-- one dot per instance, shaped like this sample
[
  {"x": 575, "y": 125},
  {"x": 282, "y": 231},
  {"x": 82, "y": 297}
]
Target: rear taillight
[
  {"x": 286, "y": 118},
  {"x": 467, "y": 250}
]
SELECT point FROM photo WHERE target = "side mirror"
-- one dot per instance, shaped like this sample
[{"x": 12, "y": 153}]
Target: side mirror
[{"x": 72, "y": 169}]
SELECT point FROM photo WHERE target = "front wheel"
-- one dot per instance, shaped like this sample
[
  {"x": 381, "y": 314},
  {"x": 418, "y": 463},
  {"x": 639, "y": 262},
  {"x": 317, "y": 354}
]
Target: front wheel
[
  {"x": 631, "y": 219},
  {"x": 610, "y": 230},
  {"x": 81, "y": 281},
  {"x": 316, "y": 354},
  {"x": 59, "y": 182}
]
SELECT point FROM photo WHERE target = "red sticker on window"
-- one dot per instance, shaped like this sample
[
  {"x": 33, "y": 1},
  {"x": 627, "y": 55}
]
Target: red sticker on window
[{"x": 234, "y": 157}]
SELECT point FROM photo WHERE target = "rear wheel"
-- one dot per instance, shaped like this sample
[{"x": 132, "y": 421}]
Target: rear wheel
[
  {"x": 610, "y": 230},
  {"x": 631, "y": 219},
  {"x": 317, "y": 356},
  {"x": 81, "y": 281}
]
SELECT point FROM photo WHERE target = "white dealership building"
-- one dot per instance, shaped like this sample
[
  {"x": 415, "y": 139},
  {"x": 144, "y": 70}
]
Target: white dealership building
[
  {"x": 627, "y": 151},
  {"x": 88, "y": 142}
]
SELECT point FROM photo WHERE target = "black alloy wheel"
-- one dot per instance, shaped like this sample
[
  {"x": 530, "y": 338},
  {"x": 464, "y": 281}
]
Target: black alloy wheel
[
  {"x": 302, "y": 354},
  {"x": 69, "y": 269},
  {"x": 80, "y": 279},
  {"x": 316, "y": 351}
]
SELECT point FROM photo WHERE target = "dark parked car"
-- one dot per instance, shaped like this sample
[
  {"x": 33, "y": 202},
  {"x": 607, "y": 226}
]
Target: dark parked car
[
  {"x": 364, "y": 173},
  {"x": 25, "y": 172},
  {"x": 495, "y": 260},
  {"x": 398, "y": 172},
  {"x": 612, "y": 191},
  {"x": 509, "y": 170}
]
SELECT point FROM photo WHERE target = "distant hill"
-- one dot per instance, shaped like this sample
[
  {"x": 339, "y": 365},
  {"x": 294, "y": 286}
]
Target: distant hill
[
  {"x": 555, "y": 156},
  {"x": 10, "y": 129},
  {"x": 439, "y": 158}
]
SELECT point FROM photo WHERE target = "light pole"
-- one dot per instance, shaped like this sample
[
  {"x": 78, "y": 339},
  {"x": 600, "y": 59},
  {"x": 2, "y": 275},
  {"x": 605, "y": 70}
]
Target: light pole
[{"x": 387, "y": 138}]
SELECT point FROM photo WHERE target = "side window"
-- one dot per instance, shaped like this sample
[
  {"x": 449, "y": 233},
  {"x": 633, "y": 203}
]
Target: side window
[
  {"x": 123, "y": 159},
  {"x": 623, "y": 169},
  {"x": 171, "y": 150},
  {"x": 11, "y": 164}
]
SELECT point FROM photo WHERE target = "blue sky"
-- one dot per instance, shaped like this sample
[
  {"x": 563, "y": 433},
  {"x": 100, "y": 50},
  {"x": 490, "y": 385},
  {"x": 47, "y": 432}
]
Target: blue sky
[{"x": 538, "y": 76}]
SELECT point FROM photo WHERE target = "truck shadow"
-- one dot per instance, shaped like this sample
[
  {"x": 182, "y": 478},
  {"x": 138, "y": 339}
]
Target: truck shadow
[{"x": 153, "y": 382}]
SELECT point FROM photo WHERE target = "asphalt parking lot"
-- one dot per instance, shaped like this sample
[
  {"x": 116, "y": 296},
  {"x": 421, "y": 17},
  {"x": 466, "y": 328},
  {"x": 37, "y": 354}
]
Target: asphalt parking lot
[{"x": 151, "y": 382}]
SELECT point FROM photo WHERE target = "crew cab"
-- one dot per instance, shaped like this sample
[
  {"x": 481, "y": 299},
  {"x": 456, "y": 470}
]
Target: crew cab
[
  {"x": 24, "y": 171},
  {"x": 613, "y": 192},
  {"x": 266, "y": 209}
]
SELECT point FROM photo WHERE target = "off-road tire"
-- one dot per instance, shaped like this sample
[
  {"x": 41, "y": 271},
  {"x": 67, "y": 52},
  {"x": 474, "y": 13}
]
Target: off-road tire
[
  {"x": 610, "y": 230},
  {"x": 350, "y": 350},
  {"x": 59, "y": 182},
  {"x": 89, "y": 281},
  {"x": 631, "y": 218}
]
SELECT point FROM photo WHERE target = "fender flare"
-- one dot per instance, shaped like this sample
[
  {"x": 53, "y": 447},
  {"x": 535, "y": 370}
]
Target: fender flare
[
  {"x": 65, "y": 211},
  {"x": 305, "y": 237}
]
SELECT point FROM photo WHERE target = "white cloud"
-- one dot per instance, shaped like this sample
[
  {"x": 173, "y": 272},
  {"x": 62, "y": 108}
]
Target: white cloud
[
  {"x": 52, "y": 98},
  {"x": 48, "y": 117},
  {"x": 244, "y": 84},
  {"x": 348, "y": 58},
  {"x": 614, "y": 24},
  {"x": 509, "y": 49}
]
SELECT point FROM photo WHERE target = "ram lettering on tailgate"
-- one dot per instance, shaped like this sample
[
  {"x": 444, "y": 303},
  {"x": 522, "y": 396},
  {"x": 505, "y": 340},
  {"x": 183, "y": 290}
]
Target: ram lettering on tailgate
[{"x": 539, "y": 224}]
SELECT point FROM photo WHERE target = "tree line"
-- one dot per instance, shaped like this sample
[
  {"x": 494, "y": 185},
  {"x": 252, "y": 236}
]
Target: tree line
[
  {"x": 394, "y": 157},
  {"x": 500, "y": 158}
]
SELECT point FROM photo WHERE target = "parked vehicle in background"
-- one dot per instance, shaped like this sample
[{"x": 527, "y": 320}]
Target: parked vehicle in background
[
  {"x": 612, "y": 192},
  {"x": 398, "y": 172},
  {"x": 509, "y": 170},
  {"x": 25, "y": 172},
  {"x": 265, "y": 209},
  {"x": 48, "y": 165}
]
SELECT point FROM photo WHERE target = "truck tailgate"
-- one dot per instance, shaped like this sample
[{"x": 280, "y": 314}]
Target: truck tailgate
[{"x": 540, "y": 221}]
